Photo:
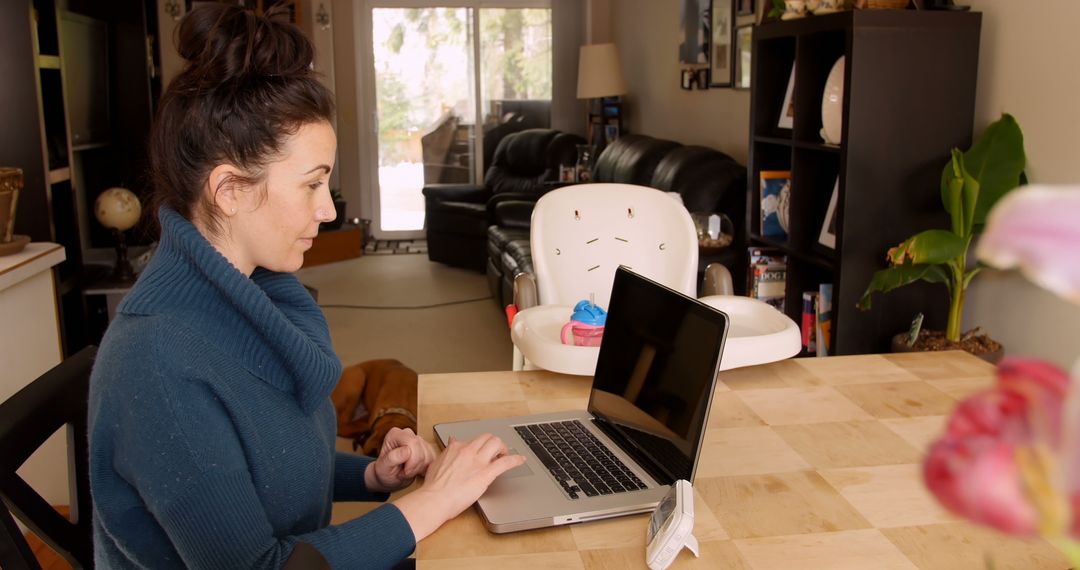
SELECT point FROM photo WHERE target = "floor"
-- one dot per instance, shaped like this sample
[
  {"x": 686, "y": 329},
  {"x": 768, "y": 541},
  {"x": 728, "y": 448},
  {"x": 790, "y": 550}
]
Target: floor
[{"x": 432, "y": 317}]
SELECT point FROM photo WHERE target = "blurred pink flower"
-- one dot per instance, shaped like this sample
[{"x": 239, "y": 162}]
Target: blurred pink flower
[
  {"x": 995, "y": 464},
  {"x": 1037, "y": 229}
]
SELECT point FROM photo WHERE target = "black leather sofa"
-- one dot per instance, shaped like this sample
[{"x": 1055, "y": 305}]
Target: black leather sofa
[
  {"x": 706, "y": 179},
  {"x": 525, "y": 165}
]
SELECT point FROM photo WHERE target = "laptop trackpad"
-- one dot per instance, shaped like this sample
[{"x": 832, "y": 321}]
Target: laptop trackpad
[{"x": 520, "y": 471}]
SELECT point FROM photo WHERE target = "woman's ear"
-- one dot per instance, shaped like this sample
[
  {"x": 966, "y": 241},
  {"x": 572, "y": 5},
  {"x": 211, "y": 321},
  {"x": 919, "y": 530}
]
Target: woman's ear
[{"x": 225, "y": 187}]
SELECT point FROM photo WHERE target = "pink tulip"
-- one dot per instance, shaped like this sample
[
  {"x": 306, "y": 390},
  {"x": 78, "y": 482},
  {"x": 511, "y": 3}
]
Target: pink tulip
[
  {"x": 977, "y": 468},
  {"x": 1037, "y": 229}
]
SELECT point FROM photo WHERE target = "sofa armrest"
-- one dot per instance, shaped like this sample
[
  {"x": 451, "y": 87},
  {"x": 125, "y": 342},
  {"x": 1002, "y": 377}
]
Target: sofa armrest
[
  {"x": 475, "y": 193},
  {"x": 514, "y": 214}
]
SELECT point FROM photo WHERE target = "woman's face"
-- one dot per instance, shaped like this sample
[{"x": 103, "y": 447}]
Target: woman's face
[{"x": 273, "y": 230}]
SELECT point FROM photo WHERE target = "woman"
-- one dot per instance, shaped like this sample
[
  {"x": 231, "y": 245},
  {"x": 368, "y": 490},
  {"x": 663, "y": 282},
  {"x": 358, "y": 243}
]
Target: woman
[{"x": 212, "y": 431}]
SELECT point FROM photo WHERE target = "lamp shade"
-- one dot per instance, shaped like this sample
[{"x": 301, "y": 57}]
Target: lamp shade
[{"x": 599, "y": 73}]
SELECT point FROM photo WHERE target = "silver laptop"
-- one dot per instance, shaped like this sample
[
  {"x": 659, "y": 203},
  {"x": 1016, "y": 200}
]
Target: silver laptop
[{"x": 642, "y": 431}]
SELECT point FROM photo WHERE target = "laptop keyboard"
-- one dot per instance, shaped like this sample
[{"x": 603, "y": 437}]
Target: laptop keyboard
[{"x": 578, "y": 461}]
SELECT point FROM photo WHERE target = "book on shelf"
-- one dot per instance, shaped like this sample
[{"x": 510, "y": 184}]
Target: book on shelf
[
  {"x": 775, "y": 197},
  {"x": 809, "y": 321},
  {"x": 823, "y": 326},
  {"x": 768, "y": 275}
]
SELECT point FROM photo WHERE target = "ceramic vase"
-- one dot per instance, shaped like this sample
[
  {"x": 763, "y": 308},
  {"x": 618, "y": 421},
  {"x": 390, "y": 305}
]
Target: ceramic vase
[{"x": 832, "y": 104}]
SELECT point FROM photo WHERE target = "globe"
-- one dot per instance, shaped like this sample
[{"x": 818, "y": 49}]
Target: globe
[{"x": 118, "y": 209}]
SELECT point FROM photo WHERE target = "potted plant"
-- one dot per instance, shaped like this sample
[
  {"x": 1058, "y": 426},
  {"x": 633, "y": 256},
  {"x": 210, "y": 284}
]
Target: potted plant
[
  {"x": 972, "y": 182},
  {"x": 339, "y": 206}
]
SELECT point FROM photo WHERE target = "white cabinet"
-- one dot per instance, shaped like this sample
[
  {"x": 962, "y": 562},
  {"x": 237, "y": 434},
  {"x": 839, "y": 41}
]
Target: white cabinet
[{"x": 30, "y": 346}]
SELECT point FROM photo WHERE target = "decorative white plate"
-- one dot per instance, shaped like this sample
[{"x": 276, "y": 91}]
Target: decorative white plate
[{"x": 832, "y": 104}]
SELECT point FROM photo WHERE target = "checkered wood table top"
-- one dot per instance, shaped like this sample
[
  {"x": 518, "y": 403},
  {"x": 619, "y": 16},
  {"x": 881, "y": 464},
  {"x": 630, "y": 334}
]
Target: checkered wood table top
[{"x": 808, "y": 463}]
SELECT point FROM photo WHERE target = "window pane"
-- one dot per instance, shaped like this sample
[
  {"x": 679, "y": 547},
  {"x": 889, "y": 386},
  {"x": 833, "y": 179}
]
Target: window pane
[
  {"x": 423, "y": 91},
  {"x": 515, "y": 72}
]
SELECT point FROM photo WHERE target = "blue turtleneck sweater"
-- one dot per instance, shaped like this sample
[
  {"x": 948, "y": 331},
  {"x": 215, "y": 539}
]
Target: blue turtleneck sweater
[{"x": 211, "y": 427}]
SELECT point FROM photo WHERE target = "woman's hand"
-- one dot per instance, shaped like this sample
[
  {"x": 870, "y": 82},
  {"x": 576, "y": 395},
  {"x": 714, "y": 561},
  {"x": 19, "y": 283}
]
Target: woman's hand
[
  {"x": 403, "y": 456},
  {"x": 455, "y": 480}
]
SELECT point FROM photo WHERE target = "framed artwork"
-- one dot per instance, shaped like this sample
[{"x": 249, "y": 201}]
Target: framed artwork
[
  {"x": 746, "y": 7},
  {"x": 787, "y": 110},
  {"x": 827, "y": 237},
  {"x": 611, "y": 132},
  {"x": 722, "y": 14},
  {"x": 694, "y": 78},
  {"x": 775, "y": 197},
  {"x": 694, "y": 32},
  {"x": 744, "y": 47}
]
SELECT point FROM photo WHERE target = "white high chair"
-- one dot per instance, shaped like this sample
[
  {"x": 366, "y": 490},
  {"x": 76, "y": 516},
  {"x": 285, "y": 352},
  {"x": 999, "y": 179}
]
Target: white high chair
[{"x": 580, "y": 234}]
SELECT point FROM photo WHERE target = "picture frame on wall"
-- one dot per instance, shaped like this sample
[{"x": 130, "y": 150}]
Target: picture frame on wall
[
  {"x": 694, "y": 32},
  {"x": 744, "y": 48},
  {"x": 775, "y": 201},
  {"x": 787, "y": 109},
  {"x": 611, "y": 133},
  {"x": 694, "y": 78},
  {"x": 745, "y": 7},
  {"x": 827, "y": 236},
  {"x": 721, "y": 61}
]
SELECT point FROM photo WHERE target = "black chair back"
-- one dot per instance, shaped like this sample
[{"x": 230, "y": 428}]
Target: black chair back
[
  {"x": 631, "y": 159},
  {"x": 526, "y": 160},
  {"x": 27, "y": 419}
]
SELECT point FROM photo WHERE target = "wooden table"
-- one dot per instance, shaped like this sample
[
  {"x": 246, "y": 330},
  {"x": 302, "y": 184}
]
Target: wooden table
[{"x": 808, "y": 463}]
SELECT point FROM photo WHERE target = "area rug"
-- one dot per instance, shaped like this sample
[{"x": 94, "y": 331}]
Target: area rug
[{"x": 395, "y": 247}]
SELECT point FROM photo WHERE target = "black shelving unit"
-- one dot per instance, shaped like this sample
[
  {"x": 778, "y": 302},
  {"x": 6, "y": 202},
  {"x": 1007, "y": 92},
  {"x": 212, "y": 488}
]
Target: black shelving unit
[
  {"x": 76, "y": 128},
  {"x": 909, "y": 98},
  {"x": 604, "y": 112}
]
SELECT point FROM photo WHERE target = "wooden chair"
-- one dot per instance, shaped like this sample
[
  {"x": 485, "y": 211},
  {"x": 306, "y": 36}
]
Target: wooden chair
[{"x": 27, "y": 419}]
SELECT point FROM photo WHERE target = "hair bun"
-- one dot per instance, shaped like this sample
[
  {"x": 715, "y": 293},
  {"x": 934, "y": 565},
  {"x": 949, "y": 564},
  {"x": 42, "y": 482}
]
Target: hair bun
[{"x": 224, "y": 43}]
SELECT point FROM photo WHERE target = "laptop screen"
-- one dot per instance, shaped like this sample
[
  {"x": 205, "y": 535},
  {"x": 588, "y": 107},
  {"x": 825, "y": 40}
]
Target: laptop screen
[{"x": 656, "y": 372}]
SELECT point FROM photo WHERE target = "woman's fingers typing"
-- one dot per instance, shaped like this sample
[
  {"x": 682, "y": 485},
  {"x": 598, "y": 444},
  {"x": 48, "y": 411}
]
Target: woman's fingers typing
[{"x": 455, "y": 480}]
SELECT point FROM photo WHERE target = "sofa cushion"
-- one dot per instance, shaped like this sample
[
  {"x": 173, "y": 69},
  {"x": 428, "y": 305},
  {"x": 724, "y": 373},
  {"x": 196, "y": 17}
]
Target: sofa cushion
[
  {"x": 701, "y": 176},
  {"x": 498, "y": 237},
  {"x": 631, "y": 159},
  {"x": 517, "y": 254}
]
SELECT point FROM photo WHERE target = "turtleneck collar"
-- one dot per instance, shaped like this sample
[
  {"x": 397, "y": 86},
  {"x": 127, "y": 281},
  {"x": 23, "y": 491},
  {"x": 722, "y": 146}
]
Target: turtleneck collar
[{"x": 268, "y": 323}]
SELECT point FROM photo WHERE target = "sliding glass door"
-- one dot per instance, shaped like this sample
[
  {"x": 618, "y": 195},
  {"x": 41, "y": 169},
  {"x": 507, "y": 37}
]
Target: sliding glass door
[{"x": 444, "y": 79}]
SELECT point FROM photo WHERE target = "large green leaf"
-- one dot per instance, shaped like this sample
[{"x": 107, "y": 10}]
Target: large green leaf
[
  {"x": 888, "y": 279},
  {"x": 952, "y": 191},
  {"x": 996, "y": 161},
  {"x": 928, "y": 247}
]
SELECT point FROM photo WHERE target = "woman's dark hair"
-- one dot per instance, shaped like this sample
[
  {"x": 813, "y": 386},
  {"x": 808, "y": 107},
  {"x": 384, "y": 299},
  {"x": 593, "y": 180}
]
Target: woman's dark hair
[{"x": 247, "y": 86}]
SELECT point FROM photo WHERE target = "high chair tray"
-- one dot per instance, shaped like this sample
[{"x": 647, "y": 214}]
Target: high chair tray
[{"x": 758, "y": 334}]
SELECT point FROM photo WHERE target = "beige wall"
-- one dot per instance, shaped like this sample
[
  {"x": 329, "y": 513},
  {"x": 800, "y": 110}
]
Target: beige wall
[
  {"x": 1027, "y": 68},
  {"x": 171, "y": 62},
  {"x": 647, "y": 33}
]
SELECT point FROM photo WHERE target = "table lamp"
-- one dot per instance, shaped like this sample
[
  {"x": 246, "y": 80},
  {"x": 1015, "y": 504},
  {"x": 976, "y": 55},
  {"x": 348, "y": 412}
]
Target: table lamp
[
  {"x": 119, "y": 209},
  {"x": 599, "y": 76}
]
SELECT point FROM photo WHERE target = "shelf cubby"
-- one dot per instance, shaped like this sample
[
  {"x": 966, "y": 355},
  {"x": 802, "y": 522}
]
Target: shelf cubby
[{"x": 909, "y": 95}]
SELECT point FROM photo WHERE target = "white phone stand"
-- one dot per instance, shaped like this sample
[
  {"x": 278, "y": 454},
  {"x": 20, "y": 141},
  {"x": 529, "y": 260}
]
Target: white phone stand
[{"x": 671, "y": 527}]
